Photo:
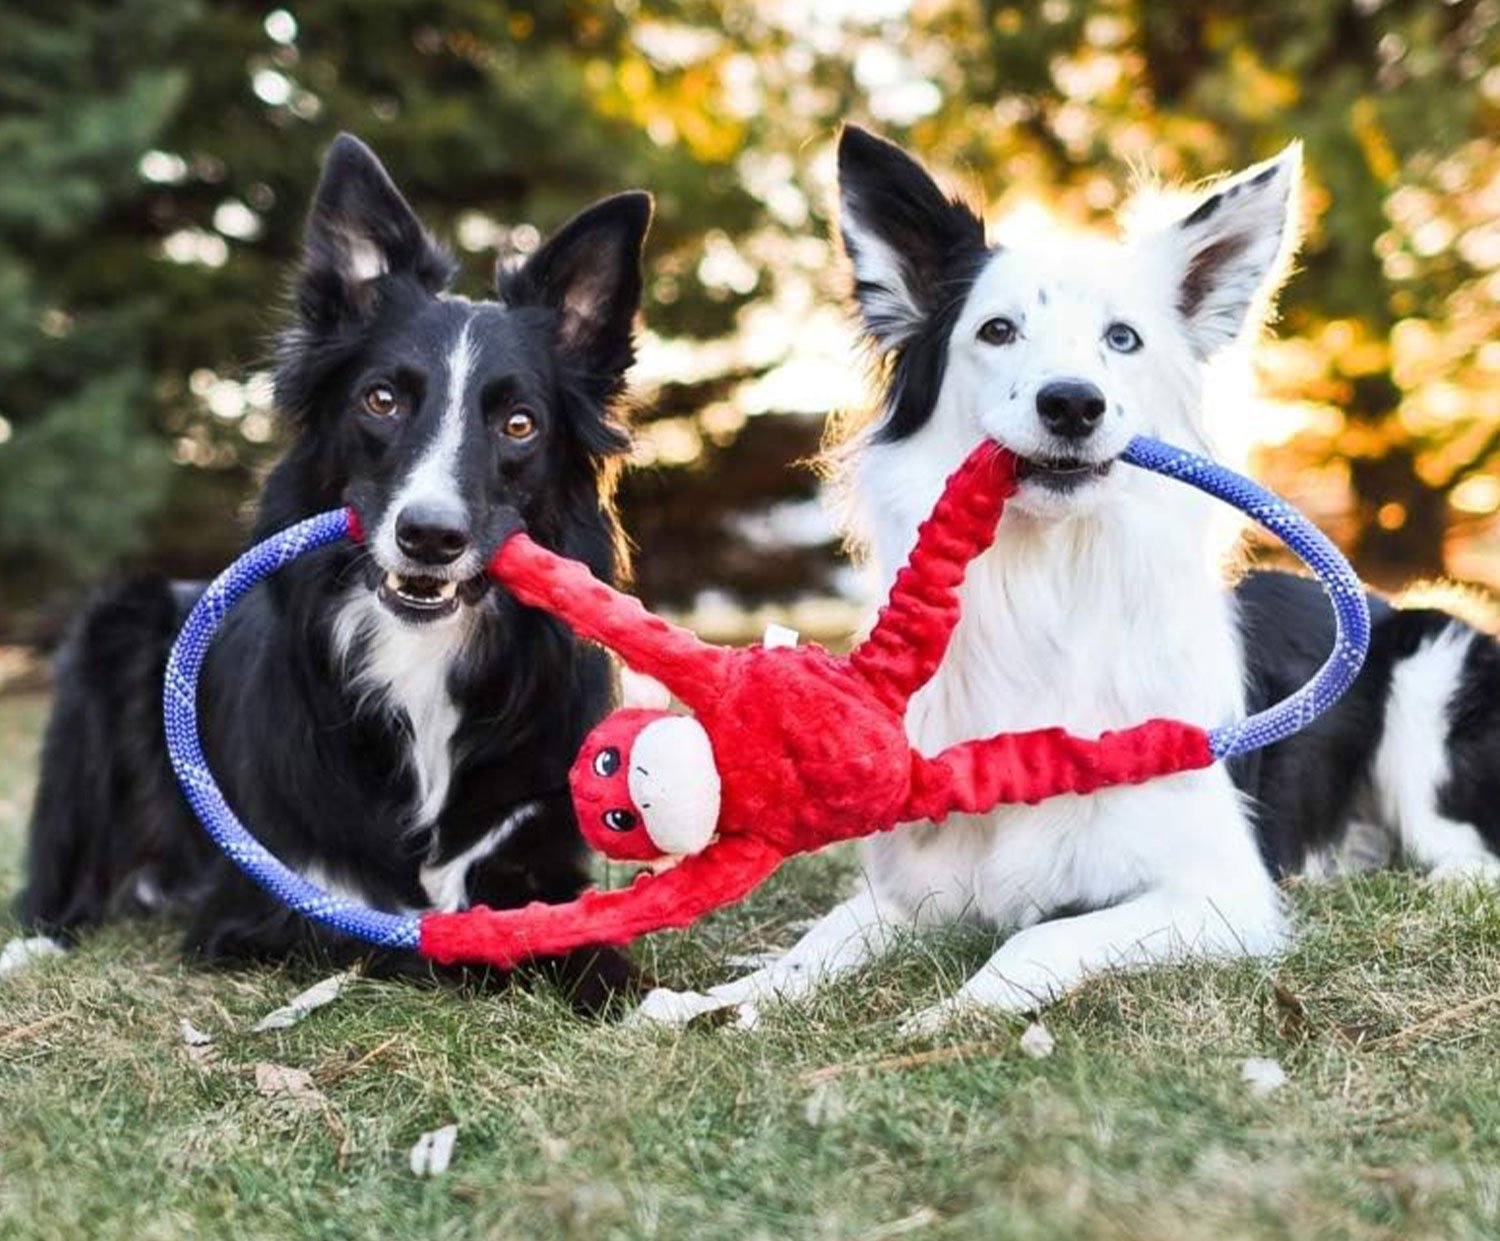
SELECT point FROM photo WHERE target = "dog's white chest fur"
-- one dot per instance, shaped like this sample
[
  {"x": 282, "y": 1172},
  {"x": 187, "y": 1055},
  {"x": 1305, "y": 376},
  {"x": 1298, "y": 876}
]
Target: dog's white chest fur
[
  {"x": 1093, "y": 624},
  {"x": 406, "y": 667}
]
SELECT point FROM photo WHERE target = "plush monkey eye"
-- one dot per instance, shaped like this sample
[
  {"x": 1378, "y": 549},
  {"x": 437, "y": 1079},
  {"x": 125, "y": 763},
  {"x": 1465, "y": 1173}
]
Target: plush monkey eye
[
  {"x": 619, "y": 820},
  {"x": 520, "y": 424},
  {"x": 1122, "y": 338},
  {"x": 1000, "y": 331},
  {"x": 606, "y": 763},
  {"x": 380, "y": 400}
]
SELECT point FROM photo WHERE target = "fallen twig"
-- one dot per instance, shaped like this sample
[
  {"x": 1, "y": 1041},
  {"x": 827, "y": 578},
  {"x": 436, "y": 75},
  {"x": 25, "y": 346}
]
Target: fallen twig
[
  {"x": 337, "y": 1072},
  {"x": 19, "y": 1034},
  {"x": 1436, "y": 1022},
  {"x": 914, "y": 1060}
]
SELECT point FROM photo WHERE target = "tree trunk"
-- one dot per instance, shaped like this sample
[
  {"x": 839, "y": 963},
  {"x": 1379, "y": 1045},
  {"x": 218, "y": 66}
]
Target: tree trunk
[{"x": 1401, "y": 522}]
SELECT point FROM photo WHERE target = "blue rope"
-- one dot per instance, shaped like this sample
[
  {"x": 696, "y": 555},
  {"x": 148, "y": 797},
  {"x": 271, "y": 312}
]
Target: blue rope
[
  {"x": 183, "y": 744},
  {"x": 180, "y": 699},
  {"x": 1351, "y": 610}
]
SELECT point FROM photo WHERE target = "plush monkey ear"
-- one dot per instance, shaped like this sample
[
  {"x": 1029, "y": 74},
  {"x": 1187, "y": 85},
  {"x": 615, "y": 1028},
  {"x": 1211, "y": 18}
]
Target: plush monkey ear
[
  {"x": 1228, "y": 256},
  {"x": 360, "y": 229},
  {"x": 900, "y": 231},
  {"x": 589, "y": 272}
]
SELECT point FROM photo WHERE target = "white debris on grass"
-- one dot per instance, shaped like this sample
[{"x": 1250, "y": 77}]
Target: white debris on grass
[
  {"x": 20, "y": 953},
  {"x": 192, "y": 1035},
  {"x": 299, "y": 1006},
  {"x": 433, "y": 1152},
  {"x": 1262, "y": 1077},
  {"x": 282, "y": 1083},
  {"x": 827, "y": 1104},
  {"x": 1037, "y": 1041}
]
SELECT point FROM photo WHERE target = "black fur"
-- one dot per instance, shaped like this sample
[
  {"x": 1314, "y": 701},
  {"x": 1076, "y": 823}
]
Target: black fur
[
  {"x": 320, "y": 770},
  {"x": 940, "y": 244},
  {"x": 1472, "y": 794},
  {"x": 1308, "y": 789}
]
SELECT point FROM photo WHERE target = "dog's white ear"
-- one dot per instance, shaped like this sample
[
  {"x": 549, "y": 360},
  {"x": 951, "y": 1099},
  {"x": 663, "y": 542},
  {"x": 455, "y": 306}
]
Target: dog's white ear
[
  {"x": 360, "y": 228},
  {"x": 1230, "y": 253},
  {"x": 902, "y": 235}
]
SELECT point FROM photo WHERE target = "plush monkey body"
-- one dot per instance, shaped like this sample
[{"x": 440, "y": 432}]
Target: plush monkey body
[{"x": 788, "y": 749}]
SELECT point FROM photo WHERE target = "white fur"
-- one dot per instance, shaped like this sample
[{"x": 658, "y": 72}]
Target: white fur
[
  {"x": 889, "y": 307},
  {"x": 364, "y": 259},
  {"x": 434, "y": 478},
  {"x": 1411, "y": 764},
  {"x": 1095, "y": 609},
  {"x": 1254, "y": 226},
  {"x": 405, "y": 667}
]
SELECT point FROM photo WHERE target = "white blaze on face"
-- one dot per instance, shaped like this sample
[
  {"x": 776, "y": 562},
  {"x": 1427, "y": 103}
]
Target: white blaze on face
[
  {"x": 433, "y": 479},
  {"x": 675, "y": 784}
]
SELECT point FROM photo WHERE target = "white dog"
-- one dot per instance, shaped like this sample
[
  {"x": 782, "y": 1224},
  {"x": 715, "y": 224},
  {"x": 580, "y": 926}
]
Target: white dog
[{"x": 1103, "y": 603}]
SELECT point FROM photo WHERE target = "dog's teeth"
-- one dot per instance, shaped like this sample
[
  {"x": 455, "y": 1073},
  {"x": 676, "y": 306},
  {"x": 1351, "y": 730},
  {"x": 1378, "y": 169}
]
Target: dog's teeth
[
  {"x": 392, "y": 582},
  {"x": 447, "y": 590}
]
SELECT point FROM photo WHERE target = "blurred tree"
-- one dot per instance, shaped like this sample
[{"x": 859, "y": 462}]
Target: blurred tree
[
  {"x": 82, "y": 94},
  {"x": 159, "y": 155}
]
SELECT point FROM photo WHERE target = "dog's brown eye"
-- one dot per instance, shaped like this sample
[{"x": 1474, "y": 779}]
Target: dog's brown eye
[
  {"x": 997, "y": 331},
  {"x": 381, "y": 400},
  {"x": 520, "y": 424}
]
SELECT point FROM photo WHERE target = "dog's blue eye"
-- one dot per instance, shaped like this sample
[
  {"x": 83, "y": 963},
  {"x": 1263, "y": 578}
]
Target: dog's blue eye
[
  {"x": 997, "y": 331},
  {"x": 1122, "y": 338}
]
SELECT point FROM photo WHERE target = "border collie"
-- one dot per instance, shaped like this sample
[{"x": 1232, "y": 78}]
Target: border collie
[
  {"x": 1102, "y": 604},
  {"x": 383, "y": 718}
]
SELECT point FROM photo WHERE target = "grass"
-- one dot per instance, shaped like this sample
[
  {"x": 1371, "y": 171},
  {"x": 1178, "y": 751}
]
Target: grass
[{"x": 818, "y": 1124}]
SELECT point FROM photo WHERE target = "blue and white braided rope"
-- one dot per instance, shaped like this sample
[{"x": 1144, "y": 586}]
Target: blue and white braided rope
[
  {"x": 1351, "y": 610},
  {"x": 180, "y": 702}
]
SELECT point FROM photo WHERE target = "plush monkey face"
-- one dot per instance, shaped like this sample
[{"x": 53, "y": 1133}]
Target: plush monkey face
[{"x": 645, "y": 786}]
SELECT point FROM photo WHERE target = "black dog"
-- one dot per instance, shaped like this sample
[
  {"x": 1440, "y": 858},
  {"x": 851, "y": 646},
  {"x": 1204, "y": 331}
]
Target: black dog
[{"x": 388, "y": 722}]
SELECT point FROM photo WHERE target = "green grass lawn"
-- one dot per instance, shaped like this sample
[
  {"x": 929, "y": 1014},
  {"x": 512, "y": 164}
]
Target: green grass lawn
[{"x": 821, "y": 1123}]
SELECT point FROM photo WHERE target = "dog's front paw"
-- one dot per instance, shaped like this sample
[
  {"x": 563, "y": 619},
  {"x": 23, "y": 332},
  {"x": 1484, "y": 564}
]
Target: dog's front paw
[
  {"x": 985, "y": 993},
  {"x": 930, "y": 1022},
  {"x": 663, "y": 1006}
]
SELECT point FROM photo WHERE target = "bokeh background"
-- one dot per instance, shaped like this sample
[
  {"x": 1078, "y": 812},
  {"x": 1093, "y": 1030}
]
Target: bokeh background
[{"x": 156, "y": 157}]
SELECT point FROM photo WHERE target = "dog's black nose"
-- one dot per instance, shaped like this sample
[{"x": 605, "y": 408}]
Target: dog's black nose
[
  {"x": 1070, "y": 408},
  {"x": 432, "y": 534}
]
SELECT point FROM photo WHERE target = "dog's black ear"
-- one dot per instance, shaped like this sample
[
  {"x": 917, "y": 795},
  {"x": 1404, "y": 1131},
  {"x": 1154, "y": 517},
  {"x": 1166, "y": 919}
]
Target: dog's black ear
[
  {"x": 360, "y": 229},
  {"x": 590, "y": 274},
  {"x": 901, "y": 233},
  {"x": 1229, "y": 255}
]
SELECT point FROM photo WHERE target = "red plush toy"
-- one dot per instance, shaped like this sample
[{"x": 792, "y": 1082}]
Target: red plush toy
[{"x": 791, "y": 749}]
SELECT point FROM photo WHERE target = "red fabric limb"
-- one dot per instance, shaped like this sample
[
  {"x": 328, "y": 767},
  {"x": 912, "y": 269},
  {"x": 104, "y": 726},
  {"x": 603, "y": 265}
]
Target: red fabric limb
[
  {"x": 976, "y": 776},
  {"x": 911, "y": 634},
  {"x": 689, "y": 667},
  {"x": 723, "y": 873}
]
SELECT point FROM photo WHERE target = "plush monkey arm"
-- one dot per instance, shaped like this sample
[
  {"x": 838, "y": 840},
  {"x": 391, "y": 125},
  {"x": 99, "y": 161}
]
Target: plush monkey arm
[
  {"x": 723, "y": 873},
  {"x": 912, "y": 631},
  {"x": 977, "y": 776},
  {"x": 687, "y": 666}
]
